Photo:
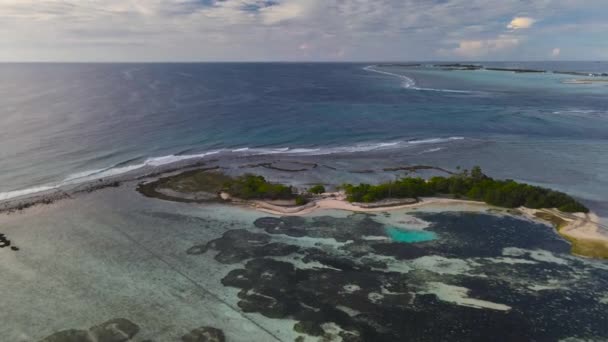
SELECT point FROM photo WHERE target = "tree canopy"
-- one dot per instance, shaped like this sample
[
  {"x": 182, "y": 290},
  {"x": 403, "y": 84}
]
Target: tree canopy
[
  {"x": 474, "y": 185},
  {"x": 256, "y": 187}
]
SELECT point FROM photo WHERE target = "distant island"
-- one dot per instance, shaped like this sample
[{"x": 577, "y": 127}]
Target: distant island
[
  {"x": 570, "y": 217},
  {"x": 585, "y": 81},
  {"x": 469, "y": 67}
]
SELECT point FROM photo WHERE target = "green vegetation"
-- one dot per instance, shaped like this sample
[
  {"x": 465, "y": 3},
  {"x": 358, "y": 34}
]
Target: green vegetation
[
  {"x": 196, "y": 181},
  {"x": 474, "y": 185},
  {"x": 555, "y": 220},
  {"x": 589, "y": 248},
  {"x": 256, "y": 187},
  {"x": 195, "y": 184},
  {"x": 301, "y": 200},
  {"x": 199, "y": 181},
  {"x": 317, "y": 189}
]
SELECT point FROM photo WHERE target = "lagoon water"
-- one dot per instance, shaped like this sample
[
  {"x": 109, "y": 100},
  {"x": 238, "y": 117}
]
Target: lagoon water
[
  {"x": 157, "y": 270},
  {"x": 410, "y": 236},
  {"x": 113, "y": 263}
]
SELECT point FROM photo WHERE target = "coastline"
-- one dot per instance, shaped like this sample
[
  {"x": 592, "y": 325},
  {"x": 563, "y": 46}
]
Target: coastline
[
  {"x": 588, "y": 237},
  {"x": 150, "y": 240},
  {"x": 337, "y": 201},
  {"x": 584, "y": 232}
]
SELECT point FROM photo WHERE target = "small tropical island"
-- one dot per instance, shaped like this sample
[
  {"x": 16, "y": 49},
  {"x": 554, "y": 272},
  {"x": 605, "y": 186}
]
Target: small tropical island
[{"x": 571, "y": 219}]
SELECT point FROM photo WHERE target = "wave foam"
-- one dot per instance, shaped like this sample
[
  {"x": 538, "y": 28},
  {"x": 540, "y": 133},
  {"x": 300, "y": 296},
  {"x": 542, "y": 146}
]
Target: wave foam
[
  {"x": 124, "y": 167},
  {"x": 406, "y": 82},
  {"x": 344, "y": 149},
  {"x": 25, "y": 192},
  {"x": 581, "y": 112},
  {"x": 91, "y": 175},
  {"x": 409, "y": 83},
  {"x": 431, "y": 150},
  {"x": 434, "y": 140}
]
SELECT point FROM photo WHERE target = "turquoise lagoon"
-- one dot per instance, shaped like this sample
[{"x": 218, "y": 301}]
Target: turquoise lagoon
[{"x": 410, "y": 236}]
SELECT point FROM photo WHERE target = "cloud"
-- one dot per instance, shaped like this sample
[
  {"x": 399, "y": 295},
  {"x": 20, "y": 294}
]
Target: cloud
[
  {"x": 521, "y": 23},
  {"x": 556, "y": 52},
  {"x": 489, "y": 46},
  {"x": 178, "y": 30},
  {"x": 481, "y": 48},
  {"x": 282, "y": 12}
]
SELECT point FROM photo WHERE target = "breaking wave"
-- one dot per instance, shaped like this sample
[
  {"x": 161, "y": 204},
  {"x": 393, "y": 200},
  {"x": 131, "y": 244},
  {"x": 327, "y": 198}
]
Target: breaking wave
[
  {"x": 132, "y": 165},
  {"x": 409, "y": 83}
]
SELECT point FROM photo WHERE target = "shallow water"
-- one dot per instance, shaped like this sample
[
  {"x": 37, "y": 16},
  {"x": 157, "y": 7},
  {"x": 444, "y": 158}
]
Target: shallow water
[
  {"x": 409, "y": 236},
  {"x": 172, "y": 267}
]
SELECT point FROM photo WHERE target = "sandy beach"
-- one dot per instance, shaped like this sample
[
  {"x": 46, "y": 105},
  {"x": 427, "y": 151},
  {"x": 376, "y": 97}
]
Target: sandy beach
[
  {"x": 579, "y": 229},
  {"x": 337, "y": 201},
  {"x": 585, "y": 226}
]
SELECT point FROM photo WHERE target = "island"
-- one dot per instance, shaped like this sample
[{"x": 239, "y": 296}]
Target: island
[
  {"x": 475, "y": 67},
  {"x": 459, "y": 66},
  {"x": 291, "y": 255},
  {"x": 586, "y": 81},
  {"x": 571, "y": 219}
]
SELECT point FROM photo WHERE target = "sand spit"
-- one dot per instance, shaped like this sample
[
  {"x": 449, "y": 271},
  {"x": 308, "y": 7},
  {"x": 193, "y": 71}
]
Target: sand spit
[
  {"x": 588, "y": 237},
  {"x": 337, "y": 201}
]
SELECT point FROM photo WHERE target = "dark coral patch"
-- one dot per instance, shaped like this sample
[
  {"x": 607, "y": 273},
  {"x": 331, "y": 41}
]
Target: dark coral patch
[
  {"x": 204, "y": 334},
  {"x": 353, "y": 227},
  {"x": 240, "y": 244},
  {"x": 115, "y": 330},
  {"x": 123, "y": 330},
  {"x": 5, "y": 242}
]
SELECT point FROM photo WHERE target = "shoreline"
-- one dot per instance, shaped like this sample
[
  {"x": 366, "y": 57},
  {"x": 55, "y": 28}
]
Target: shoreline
[
  {"x": 586, "y": 235},
  {"x": 337, "y": 201}
]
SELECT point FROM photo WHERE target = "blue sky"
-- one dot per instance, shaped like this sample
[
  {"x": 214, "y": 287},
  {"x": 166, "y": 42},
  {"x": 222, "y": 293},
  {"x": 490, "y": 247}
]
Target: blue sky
[{"x": 296, "y": 30}]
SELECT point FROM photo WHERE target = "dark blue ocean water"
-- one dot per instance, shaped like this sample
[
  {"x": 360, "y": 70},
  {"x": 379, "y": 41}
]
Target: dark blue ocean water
[{"x": 62, "y": 123}]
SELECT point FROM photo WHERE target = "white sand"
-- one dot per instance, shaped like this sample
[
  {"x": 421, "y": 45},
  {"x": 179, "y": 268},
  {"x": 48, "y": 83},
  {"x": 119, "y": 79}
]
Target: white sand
[
  {"x": 440, "y": 265},
  {"x": 337, "y": 201},
  {"x": 460, "y": 296},
  {"x": 580, "y": 226}
]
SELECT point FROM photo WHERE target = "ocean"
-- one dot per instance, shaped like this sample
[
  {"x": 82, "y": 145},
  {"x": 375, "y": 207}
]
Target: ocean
[
  {"x": 113, "y": 263},
  {"x": 66, "y": 123}
]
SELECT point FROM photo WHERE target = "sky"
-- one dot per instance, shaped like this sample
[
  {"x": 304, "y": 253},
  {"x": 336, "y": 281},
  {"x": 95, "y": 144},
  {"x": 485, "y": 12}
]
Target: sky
[{"x": 302, "y": 30}]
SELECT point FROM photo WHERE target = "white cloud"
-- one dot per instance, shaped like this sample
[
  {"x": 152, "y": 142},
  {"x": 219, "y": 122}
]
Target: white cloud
[
  {"x": 556, "y": 52},
  {"x": 481, "y": 48},
  {"x": 273, "y": 29},
  {"x": 282, "y": 12},
  {"x": 521, "y": 23}
]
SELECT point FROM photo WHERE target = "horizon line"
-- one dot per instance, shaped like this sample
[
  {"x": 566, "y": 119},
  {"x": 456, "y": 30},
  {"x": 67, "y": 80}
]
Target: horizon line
[{"x": 296, "y": 61}]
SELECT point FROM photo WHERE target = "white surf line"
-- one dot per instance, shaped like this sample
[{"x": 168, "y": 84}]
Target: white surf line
[
  {"x": 83, "y": 177},
  {"x": 409, "y": 83},
  {"x": 119, "y": 169},
  {"x": 406, "y": 81}
]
